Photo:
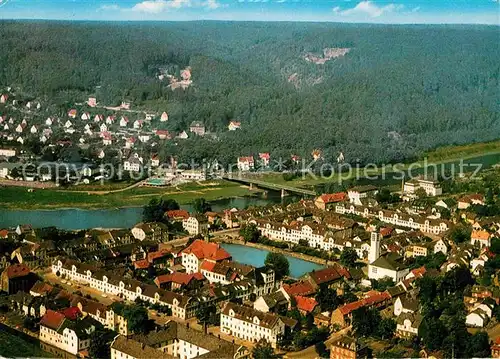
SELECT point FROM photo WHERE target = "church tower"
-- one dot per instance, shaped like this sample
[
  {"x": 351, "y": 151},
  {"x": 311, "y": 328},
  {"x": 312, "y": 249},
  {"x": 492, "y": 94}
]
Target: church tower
[{"x": 374, "y": 247}]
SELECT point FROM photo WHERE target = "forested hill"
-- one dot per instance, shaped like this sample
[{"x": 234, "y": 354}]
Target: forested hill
[{"x": 380, "y": 93}]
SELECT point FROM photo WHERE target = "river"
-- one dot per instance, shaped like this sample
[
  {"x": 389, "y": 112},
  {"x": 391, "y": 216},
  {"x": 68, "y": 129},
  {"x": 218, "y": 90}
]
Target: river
[
  {"x": 73, "y": 219},
  {"x": 256, "y": 257}
]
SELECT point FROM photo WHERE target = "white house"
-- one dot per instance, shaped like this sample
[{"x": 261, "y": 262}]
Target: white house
[
  {"x": 469, "y": 200},
  {"x": 199, "y": 251},
  {"x": 183, "y": 135},
  {"x": 408, "y": 324},
  {"x": 33, "y": 129},
  {"x": 389, "y": 265},
  {"x": 405, "y": 304},
  {"x": 234, "y": 125},
  {"x": 440, "y": 246},
  {"x": 98, "y": 118},
  {"x": 246, "y": 163},
  {"x": 164, "y": 117},
  {"x": 138, "y": 124},
  {"x": 480, "y": 238},
  {"x": 68, "y": 124},
  {"x": 85, "y": 116},
  {"x": 155, "y": 160},
  {"x": 477, "y": 318},
  {"x": 19, "y": 129},
  {"x": 195, "y": 225},
  {"x": 356, "y": 194},
  {"x": 49, "y": 121},
  {"x": 133, "y": 164},
  {"x": 103, "y": 127},
  {"x": 123, "y": 121},
  {"x": 249, "y": 324},
  {"x": 143, "y": 137},
  {"x": 72, "y": 336}
]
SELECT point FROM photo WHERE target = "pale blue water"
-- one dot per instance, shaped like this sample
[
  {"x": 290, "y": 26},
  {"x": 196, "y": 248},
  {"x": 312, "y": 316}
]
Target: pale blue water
[
  {"x": 256, "y": 257},
  {"x": 72, "y": 219}
]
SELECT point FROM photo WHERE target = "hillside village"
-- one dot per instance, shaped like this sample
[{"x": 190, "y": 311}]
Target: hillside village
[
  {"x": 87, "y": 135},
  {"x": 412, "y": 278}
]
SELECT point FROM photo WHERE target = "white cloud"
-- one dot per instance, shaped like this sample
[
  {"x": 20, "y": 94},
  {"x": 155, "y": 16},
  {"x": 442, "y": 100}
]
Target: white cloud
[
  {"x": 109, "y": 7},
  {"x": 369, "y": 8},
  {"x": 280, "y": 1},
  {"x": 158, "y": 6},
  {"x": 212, "y": 4}
]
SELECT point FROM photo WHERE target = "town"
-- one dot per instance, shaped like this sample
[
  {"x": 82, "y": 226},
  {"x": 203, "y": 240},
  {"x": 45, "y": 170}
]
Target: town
[
  {"x": 91, "y": 142},
  {"x": 412, "y": 273}
]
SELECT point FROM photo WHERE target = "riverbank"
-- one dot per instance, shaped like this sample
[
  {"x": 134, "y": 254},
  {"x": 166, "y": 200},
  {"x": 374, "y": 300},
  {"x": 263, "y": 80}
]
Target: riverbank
[
  {"x": 488, "y": 156},
  {"x": 18, "y": 198},
  {"x": 304, "y": 257}
]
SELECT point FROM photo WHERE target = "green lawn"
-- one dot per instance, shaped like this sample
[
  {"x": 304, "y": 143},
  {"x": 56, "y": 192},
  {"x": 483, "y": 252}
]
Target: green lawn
[
  {"x": 20, "y": 198},
  {"x": 16, "y": 347}
]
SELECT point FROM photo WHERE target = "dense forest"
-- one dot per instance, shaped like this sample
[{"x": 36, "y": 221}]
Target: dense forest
[{"x": 399, "y": 91}]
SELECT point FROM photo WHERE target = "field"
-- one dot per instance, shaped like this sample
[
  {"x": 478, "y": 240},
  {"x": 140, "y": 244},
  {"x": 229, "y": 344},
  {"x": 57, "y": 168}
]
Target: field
[
  {"x": 78, "y": 197},
  {"x": 440, "y": 156}
]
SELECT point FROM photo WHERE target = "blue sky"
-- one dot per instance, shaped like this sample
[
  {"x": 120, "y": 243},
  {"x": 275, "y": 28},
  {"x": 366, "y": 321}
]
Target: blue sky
[{"x": 366, "y": 11}]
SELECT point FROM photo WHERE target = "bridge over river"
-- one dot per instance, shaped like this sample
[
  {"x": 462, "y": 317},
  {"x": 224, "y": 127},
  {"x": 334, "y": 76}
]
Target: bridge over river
[{"x": 269, "y": 185}]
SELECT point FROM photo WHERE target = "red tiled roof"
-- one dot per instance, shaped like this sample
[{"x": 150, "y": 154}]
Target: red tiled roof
[
  {"x": 159, "y": 254},
  {"x": 324, "y": 275},
  {"x": 265, "y": 156},
  {"x": 386, "y": 231},
  {"x": 71, "y": 313},
  {"x": 141, "y": 264},
  {"x": 344, "y": 272},
  {"x": 245, "y": 159},
  {"x": 208, "y": 266},
  {"x": 52, "y": 319},
  {"x": 480, "y": 235},
  {"x": 374, "y": 298},
  {"x": 333, "y": 197},
  {"x": 4, "y": 233},
  {"x": 177, "y": 213},
  {"x": 299, "y": 288},
  {"x": 16, "y": 270},
  {"x": 419, "y": 272},
  {"x": 204, "y": 250},
  {"x": 305, "y": 304}
]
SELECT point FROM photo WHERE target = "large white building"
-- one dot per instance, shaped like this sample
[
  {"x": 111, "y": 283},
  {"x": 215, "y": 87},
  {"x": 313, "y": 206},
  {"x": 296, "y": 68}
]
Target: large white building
[
  {"x": 7, "y": 152},
  {"x": 176, "y": 341},
  {"x": 423, "y": 224},
  {"x": 182, "y": 306},
  {"x": 431, "y": 187},
  {"x": 72, "y": 336},
  {"x": 199, "y": 251},
  {"x": 250, "y": 324}
]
